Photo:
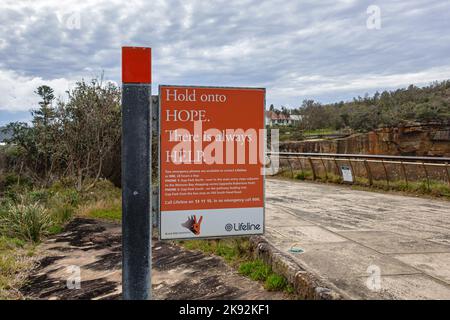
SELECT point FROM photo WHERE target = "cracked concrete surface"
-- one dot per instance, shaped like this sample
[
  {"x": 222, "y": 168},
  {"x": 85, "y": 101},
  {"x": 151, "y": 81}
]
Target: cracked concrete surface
[{"x": 348, "y": 233}]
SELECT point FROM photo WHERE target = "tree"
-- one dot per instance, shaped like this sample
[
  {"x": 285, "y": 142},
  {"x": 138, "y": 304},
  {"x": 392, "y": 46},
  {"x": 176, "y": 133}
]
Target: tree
[
  {"x": 91, "y": 129},
  {"x": 73, "y": 139},
  {"x": 43, "y": 119}
]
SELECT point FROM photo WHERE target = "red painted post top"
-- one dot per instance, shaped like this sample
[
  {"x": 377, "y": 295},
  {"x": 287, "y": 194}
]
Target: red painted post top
[{"x": 136, "y": 65}]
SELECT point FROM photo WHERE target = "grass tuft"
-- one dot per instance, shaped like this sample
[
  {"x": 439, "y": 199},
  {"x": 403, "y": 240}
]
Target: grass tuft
[
  {"x": 255, "y": 270},
  {"x": 232, "y": 250},
  {"x": 275, "y": 282},
  {"x": 114, "y": 214},
  {"x": 25, "y": 220},
  {"x": 259, "y": 271},
  {"x": 236, "y": 252},
  {"x": 14, "y": 259},
  {"x": 423, "y": 187}
]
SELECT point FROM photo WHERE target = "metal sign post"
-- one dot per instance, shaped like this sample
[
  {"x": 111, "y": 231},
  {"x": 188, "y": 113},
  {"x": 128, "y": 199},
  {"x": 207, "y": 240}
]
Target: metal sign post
[{"x": 136, "y": 173}]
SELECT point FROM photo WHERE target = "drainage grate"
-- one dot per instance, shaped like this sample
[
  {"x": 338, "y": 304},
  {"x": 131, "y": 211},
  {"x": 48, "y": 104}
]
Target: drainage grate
[{"x": 296, "y": 249}]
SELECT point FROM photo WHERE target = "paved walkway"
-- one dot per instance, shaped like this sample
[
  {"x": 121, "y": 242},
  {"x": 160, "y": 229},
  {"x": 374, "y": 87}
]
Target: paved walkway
[{"x": 350, "y": 237}]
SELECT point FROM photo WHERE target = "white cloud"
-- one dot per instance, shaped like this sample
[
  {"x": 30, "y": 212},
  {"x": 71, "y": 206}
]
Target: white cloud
[
  {"x": 294, "y": 85},
  {"x": 17, "y": 92},
  {"x": 297, "y": 49}
]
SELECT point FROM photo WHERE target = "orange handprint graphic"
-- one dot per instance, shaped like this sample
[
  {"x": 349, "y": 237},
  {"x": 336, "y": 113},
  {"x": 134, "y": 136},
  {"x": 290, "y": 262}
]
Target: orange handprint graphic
[{"x": 193, "y": 225}]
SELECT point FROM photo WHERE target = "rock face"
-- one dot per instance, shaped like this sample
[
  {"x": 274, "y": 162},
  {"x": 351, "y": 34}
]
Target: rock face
[
  {"x": 96, "y": 248},
  {"x": 413, "y": 140}
]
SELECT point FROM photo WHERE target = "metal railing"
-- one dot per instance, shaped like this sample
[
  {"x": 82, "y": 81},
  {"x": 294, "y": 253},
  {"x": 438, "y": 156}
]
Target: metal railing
[{"x": 390, "y": 168}]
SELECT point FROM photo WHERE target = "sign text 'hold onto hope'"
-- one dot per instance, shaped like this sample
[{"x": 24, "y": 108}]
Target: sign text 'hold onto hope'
[{"x": 200, "y": 143}]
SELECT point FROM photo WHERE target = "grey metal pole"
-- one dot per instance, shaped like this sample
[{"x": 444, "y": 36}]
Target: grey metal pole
[{"x": 136, "y": 191}]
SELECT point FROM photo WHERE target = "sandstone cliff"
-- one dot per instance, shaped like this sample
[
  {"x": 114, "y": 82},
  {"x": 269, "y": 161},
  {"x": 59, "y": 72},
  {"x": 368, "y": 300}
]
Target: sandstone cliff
[{"x": 412, "y": 140}]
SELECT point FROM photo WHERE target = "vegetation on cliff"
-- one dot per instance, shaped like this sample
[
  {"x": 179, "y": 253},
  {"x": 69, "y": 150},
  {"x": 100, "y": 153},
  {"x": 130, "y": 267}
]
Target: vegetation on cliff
[{"x": 386, "y": 109}]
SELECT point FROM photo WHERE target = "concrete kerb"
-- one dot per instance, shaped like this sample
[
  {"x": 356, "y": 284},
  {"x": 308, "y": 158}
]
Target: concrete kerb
[{"x": 306, "y": 285}]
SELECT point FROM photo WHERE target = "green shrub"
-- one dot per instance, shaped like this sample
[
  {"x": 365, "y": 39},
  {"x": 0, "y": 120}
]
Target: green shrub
[
  {"x": 226, "y": 250},
  {"x": 28, "y": 221},
  {"x": 259, "y": 271},
  {"x": 440, "y": 189},
  {"x": 41, "y": 195},
  {"x": 62, "y": 214},
  {"x": 55, "y": 229},
  {"x": 14, "y": 191},
  {"x": 275, "y": 282},
  {"x": 242, "y": 246},
  {"x": 103, "y": 190},
  {"x": 62, "y": 205},
  {"x": 107, "y": 213},
  {"x": 13, "y": 260},
  {"x": 71, "y": 197},
  {"x": 233, "y": 250},
  {"x": 300, "y": 176},
  {"x": 255, "y": 270},
  {"x": 237, "y": 253}
]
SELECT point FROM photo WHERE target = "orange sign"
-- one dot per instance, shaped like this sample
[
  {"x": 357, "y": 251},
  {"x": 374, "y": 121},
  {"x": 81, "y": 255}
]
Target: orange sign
[{"x": 211, "y": 161}]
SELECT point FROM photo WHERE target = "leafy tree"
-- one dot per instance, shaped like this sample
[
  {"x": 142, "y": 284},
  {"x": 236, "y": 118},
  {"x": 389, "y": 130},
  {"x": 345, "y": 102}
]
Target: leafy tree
[
  {"x": 73, "y": 139},
  {"x": 43, "y": 121}
]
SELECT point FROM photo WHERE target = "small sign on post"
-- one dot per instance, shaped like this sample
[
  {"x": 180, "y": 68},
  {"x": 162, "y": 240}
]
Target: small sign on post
[
  {"x": 346, "y": 174},
  {"x": 212, "y": 147}
]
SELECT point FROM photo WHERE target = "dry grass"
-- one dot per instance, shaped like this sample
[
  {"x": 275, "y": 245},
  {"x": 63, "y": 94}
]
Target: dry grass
[
  {"x": 436, "y": 189},
  {"x": 22, "y": 224},
  {"x": 110, "y": 209},
  {"x": 16, "y": 259}
]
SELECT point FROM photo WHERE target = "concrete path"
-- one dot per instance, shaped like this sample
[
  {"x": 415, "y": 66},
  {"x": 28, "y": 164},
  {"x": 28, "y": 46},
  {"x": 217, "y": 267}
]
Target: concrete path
[{"x": 350, "y": 237}]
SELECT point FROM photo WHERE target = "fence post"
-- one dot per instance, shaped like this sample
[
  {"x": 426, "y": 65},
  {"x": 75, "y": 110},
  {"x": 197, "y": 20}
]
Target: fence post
[
  {"x": 385, "y": 172},
  {"x": 351, "y": 166},
  {"x": 369, "y": 173},
  {"x": 448, "y": 174},
  {"x": 426, "y": 174},
  {"x": 325, "y": 167},
  {"x": 290, "y": 166},
  {"x": 312, "y": 168},
  {"x": 337, "y": 167},
  {"x": 404, "y": 172},
  {"x": 301, "y": 165}
]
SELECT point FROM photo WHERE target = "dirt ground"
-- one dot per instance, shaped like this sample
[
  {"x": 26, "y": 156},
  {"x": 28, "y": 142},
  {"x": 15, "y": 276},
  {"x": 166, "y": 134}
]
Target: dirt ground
[{"x": 91, "y": 250}]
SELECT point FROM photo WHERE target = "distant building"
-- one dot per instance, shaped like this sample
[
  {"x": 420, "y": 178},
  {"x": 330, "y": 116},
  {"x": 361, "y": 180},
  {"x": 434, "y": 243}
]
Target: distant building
[
  {"x": 280, "y": 119},
  {"x": 295, "y": 119}
]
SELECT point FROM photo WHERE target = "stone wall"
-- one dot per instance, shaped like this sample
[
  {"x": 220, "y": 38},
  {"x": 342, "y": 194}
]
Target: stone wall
[{"x": 412, "y": 140}]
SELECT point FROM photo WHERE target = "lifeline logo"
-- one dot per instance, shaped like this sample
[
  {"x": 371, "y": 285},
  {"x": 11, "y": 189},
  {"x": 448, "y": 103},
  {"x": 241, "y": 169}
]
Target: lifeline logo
[{"x": 242, "y": 226}]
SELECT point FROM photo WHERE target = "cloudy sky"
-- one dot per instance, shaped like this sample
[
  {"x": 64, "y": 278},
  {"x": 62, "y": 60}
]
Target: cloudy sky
[{"x": 326, "y": 50}]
